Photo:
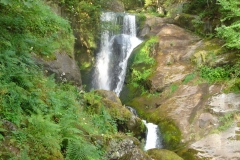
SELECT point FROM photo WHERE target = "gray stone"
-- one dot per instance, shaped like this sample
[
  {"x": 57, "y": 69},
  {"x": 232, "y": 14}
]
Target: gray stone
[
  {"x": 145, "y": 31},
  {"x": 126, "y": 148},
  {"x": 205, "y": 120},
  {"x": 63, "y": 67},
  {"x": 222, "y": 146}
]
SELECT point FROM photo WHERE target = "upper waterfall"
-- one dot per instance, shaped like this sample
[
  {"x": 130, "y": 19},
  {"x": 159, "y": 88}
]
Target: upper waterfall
[{"x": 115, "y": 49}]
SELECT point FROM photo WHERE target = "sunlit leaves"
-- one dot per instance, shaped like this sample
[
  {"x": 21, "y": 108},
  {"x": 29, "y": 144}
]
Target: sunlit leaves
[{"x": 230, "y": 30}]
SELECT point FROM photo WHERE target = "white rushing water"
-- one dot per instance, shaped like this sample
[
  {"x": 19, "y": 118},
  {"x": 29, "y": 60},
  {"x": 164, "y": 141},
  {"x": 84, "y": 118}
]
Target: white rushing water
[
  {"x": 153, "y": 135},
  {"x": 111, "y": 63},
  {"x": 103, "y": 57},
  {"x": 153, "y": 138},
  {"x": 115, "y": 49}
]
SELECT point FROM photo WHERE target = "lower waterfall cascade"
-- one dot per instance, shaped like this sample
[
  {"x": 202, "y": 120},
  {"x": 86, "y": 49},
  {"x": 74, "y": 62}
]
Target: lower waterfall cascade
[
  {"x": 153, "y": 135},
  {"x": 111, "y": 63}
]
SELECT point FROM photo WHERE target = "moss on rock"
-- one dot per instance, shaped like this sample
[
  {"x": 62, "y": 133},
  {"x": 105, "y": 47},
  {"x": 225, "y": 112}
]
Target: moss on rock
[
  {"x": 126, "y": 121},
  {"x": 163, "y": 154},
  {"x": 146, "y": 108}
]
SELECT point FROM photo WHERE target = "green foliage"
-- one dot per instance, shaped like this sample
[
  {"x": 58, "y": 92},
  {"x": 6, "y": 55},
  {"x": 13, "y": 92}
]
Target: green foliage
[
  {"x": 140, "y": 19},
  {"x": 138, "y": 77},
  {"x": 132, "y": 4},
  {"x": 104, "y": 122},
  {"x": 143, "y": 64},
  {"x": 170, "y": 133},
  {"x": 173, "y": 88},
  {"x": 202, "y": 8},
  {"x": 81, "y": 150},
  {"x": 229, "y": 31},
  {"x": 1, "y": 131},
  {"x": 226, "y": 121},
  {"x": 85, "y": 19},
  {"x": 31, "y": 27},
  {"x": 149, "y": 3},
  {"x": 189, "y": 77},
  {"x": 47, "y": 115},
  {"x": 215, "y": 74},
  {"x": 146, "y": 51}
]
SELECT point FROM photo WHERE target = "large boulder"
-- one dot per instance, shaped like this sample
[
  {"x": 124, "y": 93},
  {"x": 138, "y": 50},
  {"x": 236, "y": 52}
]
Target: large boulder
[
  {"x": 125, "y": 148},
  {"x": 163, "y": 154},
  {"x": 63, "y": 67},
  {"x": 126, "y": 120}
]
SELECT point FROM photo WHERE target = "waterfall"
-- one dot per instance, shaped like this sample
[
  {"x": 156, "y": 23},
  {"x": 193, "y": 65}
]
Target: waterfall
[
  {"x": 115, "y": 49},
  {"x": 111, "y": 62},
  {"x": 153, "y": 135},
  {"x": 153, "y": 138}
]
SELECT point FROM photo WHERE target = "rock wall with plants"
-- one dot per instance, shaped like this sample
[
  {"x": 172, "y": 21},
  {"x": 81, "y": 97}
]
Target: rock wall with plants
[{"x": 42, "y": 119}]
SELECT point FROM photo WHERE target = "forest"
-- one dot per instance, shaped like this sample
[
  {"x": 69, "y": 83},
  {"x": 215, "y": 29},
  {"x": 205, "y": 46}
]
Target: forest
[{"x": 41, "y": 118}]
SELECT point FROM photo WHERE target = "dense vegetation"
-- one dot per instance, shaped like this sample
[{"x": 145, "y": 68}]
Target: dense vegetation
[{"x": 40, "y": 119}]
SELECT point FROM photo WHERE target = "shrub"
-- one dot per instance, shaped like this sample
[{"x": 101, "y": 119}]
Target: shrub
[{"x": 229, "y": 31}]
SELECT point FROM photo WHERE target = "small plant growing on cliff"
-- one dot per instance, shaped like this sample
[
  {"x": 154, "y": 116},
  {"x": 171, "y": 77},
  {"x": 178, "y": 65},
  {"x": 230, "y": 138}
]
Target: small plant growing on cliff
[
  {"x": 226, "y": 121},
  {"x": 146, "y": 52},
  {"x": 188, "y": 78},
  {"x": 215, "y": 74}
]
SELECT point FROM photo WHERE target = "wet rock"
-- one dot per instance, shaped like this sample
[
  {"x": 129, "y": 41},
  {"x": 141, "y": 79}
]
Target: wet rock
[
  {"x": 163, "y": 154},
  {"x": 63, "y": 67}
]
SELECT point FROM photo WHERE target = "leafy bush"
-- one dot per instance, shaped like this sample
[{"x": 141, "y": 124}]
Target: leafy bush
[
  {"x": 226, "y": 121},
  {"x": 50, "y": 118},
  {"x": 229, "y": 31},
  {"x": 31, "y": 27},
  {"x": 146, "y": 52},
  {"x": 215, "y": 74},
  {"x": 143, "y": 64},
  {"x": 188, "y": 78}
]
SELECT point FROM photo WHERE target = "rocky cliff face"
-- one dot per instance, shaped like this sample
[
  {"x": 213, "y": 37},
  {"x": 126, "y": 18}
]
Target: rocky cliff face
[{"x": 195, "y": 106}]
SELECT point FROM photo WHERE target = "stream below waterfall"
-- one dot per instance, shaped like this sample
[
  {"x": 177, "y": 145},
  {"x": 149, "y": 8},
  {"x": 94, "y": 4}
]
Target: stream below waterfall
[{"x": 111, "y": 62}]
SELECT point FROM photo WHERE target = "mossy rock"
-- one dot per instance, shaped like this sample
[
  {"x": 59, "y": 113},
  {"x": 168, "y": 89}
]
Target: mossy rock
[
  {"x": 126, "y": 121},
  {"x": 191, "y": 22},
  {"x": 124, "y": 147},
  {"x": 163, "y": 154},
  {"x": 146, "y": 108},
  {"x": 212, "y": 53},
  {"x": 170, "y": 133}
]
